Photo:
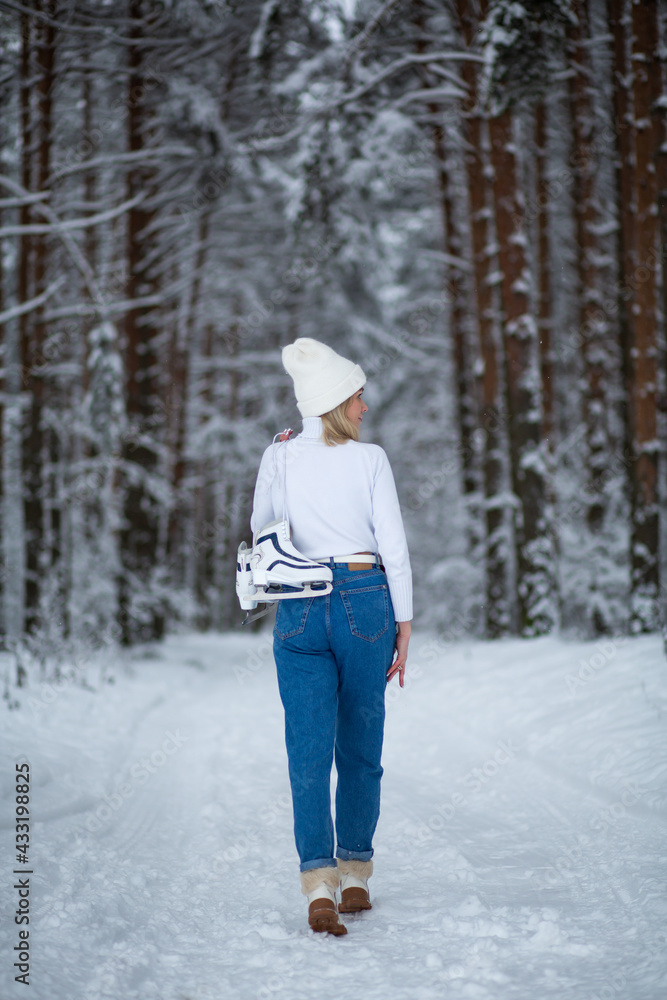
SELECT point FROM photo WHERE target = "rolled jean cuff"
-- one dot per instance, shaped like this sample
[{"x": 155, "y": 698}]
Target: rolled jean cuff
[
  {"x": 318, "y": 863},
  {"x": 353, "y": 855}
]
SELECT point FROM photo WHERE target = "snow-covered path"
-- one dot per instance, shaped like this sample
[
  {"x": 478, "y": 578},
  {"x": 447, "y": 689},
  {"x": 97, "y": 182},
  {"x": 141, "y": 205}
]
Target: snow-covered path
[{"x": 520, "y": 854}]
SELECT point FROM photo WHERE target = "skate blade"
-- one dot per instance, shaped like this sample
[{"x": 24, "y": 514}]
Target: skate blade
[
  {"x": 309, "y": 590},
  {"x": 258, "y": 614}
]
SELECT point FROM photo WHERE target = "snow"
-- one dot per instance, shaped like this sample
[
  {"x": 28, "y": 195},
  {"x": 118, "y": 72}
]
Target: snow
[
  {"x": 259, "y": 35},
  {"x": 520, "y": 852}
]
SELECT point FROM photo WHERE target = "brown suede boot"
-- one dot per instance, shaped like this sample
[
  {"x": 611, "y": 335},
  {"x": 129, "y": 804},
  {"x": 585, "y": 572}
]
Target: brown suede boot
[
  {"x": 354, "y": 875},
  {"x": 319, "y": 885}
]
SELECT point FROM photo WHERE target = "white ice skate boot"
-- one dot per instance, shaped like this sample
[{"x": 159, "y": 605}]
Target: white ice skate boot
[
  {"x": 275, "y": 562},
  {"x": 245, "y": 588}
]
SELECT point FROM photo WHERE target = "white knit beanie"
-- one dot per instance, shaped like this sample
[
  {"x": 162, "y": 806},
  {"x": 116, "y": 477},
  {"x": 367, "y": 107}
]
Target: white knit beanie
[{"x": 322, "y": 378}]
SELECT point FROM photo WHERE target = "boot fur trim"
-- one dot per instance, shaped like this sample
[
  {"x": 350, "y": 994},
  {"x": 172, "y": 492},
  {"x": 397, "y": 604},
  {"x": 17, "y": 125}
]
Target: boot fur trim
[
  {"x": 362, "y": 869},
  {"x": 313, "y": 877}
]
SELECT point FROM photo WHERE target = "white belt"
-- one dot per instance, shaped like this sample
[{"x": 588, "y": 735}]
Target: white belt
[{"x": 361, "y": 557}]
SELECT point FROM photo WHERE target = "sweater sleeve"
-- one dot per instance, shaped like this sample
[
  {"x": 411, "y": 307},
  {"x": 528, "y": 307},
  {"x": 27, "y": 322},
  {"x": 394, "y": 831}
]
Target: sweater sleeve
[
  {"x": 390, "y": 536},
  {"x": 262, "y": 504}
]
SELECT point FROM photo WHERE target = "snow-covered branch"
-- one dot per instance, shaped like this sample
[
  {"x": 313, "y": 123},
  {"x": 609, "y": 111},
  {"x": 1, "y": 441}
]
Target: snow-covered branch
[
  {"x": 58, "y": 226},
  {"x": 39, "y": 300}
]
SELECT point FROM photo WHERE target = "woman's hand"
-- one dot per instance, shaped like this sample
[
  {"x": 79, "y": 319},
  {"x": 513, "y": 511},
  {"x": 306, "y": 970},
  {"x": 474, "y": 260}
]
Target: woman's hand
[{"x": 401, "y": 650}]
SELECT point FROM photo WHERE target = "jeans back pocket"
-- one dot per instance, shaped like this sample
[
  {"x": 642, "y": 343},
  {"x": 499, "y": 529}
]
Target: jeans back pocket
[
  {"x": 291, "y": 616},
  {"x": 367, "y": 610}
]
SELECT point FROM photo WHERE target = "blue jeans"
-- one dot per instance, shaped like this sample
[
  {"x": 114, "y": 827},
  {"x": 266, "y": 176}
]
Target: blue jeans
[{"x": 332, "y": 655}]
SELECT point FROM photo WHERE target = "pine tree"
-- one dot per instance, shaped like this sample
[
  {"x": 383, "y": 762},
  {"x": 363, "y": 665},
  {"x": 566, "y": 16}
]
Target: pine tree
[
  {"x": 497, "y": 544},
  {"x": 645, "y": 541},
  {"x": 534, "y": 546},
  {"x": 593, "y": 325}
]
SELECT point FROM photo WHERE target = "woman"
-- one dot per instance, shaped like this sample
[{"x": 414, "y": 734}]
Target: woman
[{"x": 334, "y": 652}]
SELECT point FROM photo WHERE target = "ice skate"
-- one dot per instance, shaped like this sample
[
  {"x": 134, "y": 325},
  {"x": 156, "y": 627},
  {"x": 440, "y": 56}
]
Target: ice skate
[
  {"x": 276, "y": 563},
  {"x": 354, "y": 877},
  {"x": 245, "y": 589}
]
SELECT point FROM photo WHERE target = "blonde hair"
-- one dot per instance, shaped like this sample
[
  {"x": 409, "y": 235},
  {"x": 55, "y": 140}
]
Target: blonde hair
[{"x": 336, "y": 427}]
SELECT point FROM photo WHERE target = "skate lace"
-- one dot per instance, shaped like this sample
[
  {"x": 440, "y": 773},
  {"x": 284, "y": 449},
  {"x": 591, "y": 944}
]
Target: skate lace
[{"x": 285, "y": 442}]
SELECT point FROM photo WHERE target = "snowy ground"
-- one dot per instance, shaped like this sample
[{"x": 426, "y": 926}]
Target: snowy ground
[{"x": 520, "y": 853}]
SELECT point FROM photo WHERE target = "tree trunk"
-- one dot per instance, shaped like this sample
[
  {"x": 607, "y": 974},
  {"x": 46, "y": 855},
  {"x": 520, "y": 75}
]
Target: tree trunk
[
  {"x": 37, "y": 63},
  {"x": 593, "y": 326},
  {"x": 497, "y": 604},
  {"x": 184, "y": 341},
  {"x": 534, "y": 549},
  {"x": 619, "y": 22},
  {"x": 453, "y": 285},
  {"x": 547, "y": 359},
  {"x": 660, "y": 113},
  {"x": 31, "y": 447},
  {"x": 53, "y": 542},
  {"x": 226, "y": 554},
  {"x": 14, "y": 548},
  {"x": 139, "y": 534},
  {"x": 3, "y": 394},
  {"x": 644, "y": 353},
  {"x": 453, "y": 282},
  {"x": 204, "y": 511},
  {"x": 544, "y": 296}
]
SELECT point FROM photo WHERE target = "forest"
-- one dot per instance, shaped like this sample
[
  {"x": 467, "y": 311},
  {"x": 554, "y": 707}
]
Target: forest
[{"x": 467, "y": 199}]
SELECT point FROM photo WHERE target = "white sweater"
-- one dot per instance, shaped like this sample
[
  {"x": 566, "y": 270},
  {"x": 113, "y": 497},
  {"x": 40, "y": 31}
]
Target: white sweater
[{"x": 340, "y": 500}]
